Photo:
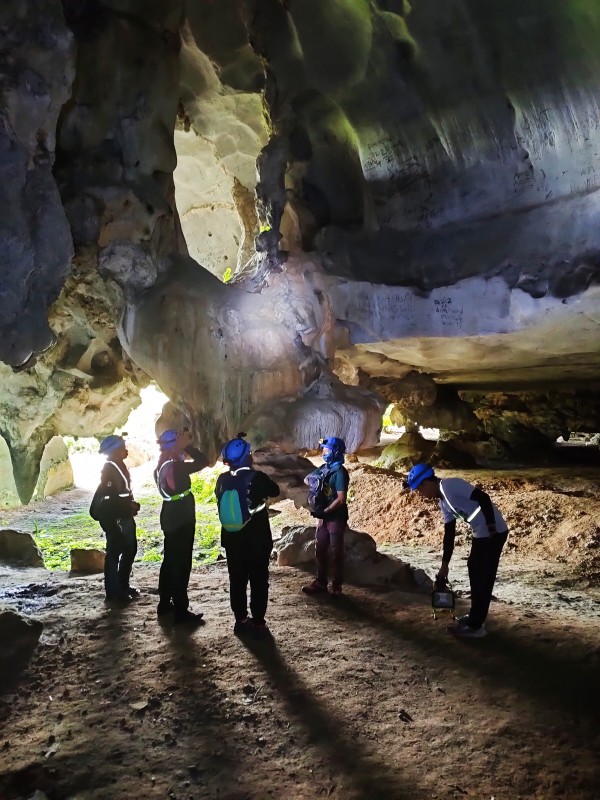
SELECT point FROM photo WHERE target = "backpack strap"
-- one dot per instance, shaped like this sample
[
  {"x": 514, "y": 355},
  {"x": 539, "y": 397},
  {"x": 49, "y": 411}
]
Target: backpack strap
[
  {"x": 165, "y": 496},
  {"x": 125, "y": 481},
  {"x": 251, "y": 511},
  {"x": 471, "y": 516}
]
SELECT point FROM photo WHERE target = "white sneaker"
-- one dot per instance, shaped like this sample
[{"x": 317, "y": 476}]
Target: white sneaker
[{"x": 464, "y": 631}]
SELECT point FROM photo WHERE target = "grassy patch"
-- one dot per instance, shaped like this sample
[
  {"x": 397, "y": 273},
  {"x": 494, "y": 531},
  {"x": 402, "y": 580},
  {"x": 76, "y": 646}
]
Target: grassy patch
[{"x": 56, "y": 539}]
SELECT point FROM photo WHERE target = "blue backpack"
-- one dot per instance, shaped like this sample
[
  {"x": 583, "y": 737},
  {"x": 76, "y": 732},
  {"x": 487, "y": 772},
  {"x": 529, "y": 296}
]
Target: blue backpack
[{"x": 233, "y": 501}]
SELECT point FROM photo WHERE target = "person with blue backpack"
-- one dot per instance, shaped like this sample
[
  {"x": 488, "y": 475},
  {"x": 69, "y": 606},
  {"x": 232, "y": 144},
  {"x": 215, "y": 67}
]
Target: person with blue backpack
[
  {"x": 178, "y": 522},
  {"x": 241, "y": 494},
  {"x": 327, "y": 498},
  {"x": 459, "y": 499},
  {"x": 114, "y": 508}
]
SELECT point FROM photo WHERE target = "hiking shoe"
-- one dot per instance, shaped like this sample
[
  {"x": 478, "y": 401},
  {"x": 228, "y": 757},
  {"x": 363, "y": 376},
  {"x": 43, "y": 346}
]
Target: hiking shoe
[
  {"x": 464, "y": 620},
  {"x": 336, "y": 590},
  {"x": 133, "y": 592},
  {"x": 260, "y": 630},
  {"x": 464, "y": 631},
  {"x": 243, "y": 627},
  {"x": 188, "y": 617},
  {"x": 315, "y": 588},
  {"x": 118, "y": 599},
  {"x": 164, "y": 608}
]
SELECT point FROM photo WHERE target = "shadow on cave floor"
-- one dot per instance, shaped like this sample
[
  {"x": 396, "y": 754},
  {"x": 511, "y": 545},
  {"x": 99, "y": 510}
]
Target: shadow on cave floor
[
  {"x": 367, "y": 777},
  {"x": 363, "y": 696}
]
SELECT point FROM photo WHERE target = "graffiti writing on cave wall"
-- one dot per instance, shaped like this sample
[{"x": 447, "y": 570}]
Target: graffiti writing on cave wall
[{"x": 404, "y": 312}]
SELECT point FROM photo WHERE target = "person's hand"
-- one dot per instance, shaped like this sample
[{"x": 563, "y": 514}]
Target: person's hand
[
  {"x": 185, "y": 438},
  {"x": 135, "y": 507},
  {"x": 443, "y": 572}
]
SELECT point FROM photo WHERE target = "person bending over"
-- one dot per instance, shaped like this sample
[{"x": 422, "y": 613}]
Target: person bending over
[{"x": 458, "y": 499}]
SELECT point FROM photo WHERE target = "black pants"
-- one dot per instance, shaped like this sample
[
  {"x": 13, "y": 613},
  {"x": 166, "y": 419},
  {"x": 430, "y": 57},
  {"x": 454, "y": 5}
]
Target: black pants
[
  {"x": 248, "y": 561},
  {"x": 176, "y": 567},
  {"x": 121, "y": 547},
  {"x": 483, "y": 565}
]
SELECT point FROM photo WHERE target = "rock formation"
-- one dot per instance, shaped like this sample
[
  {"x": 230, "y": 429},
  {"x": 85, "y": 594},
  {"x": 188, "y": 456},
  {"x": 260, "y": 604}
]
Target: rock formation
[
  {"x": 386, "y": 189},
  {"x": 363, "y": 565}
]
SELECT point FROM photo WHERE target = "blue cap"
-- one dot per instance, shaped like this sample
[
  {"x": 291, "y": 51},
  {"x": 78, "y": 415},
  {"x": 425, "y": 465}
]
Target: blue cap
[
  {"x": 110, "y": 444},
  {"x": 235, "y": 452},
  {"x": 168, "y": 438},
  {"x": 418, "y": 474},
  {"x": 333, "y": 443}
]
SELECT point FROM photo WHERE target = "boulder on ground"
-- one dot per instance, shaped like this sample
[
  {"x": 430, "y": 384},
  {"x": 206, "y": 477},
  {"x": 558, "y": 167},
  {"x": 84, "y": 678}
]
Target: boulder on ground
[
  {"x": 363, "y": 564},
  {"x": 19, "y": 549},
  {"x": 18, "y": 634},
  {"x": 411, "y": 448},
  {"x": 88, "y": 562}
]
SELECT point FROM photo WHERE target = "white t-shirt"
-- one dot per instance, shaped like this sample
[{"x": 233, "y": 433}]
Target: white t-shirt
[{"x": 456, "y": 503}]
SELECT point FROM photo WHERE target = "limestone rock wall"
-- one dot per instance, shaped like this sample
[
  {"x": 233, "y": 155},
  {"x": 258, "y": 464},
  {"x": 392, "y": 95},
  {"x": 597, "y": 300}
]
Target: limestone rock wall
[
  {"x": 395, "y": 187},
  {"x": 36, "y": 72}
]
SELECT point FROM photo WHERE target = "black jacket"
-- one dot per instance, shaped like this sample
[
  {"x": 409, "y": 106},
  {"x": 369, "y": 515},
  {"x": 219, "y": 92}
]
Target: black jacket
[{"x": 176, "y": 513}]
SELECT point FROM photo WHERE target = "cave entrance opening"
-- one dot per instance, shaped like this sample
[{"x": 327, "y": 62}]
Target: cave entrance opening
[{"x": 141, "y": 440}]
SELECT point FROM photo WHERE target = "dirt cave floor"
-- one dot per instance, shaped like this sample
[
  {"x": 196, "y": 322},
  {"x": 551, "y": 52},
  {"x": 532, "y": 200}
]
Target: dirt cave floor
[{"x": 359, "y": 697}]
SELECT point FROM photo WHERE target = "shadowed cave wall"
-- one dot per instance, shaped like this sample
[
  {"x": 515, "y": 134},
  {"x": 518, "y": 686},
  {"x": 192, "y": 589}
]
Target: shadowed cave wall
[{"x": 390, "y": 188}]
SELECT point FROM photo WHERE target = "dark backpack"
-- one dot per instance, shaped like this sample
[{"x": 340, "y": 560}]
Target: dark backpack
[
  {"x": 319, "y": 491},
  {"x": 232, "y": 499}
]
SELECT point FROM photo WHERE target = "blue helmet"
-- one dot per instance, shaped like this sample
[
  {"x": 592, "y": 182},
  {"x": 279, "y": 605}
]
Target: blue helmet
[
  {"x": 418, "y": 474},
  {"x": 336, "y": 446},
  {"x": 110, "y": 444},
  {"x": 167, "y": 439},
  {"x": 236, "y": 451}
]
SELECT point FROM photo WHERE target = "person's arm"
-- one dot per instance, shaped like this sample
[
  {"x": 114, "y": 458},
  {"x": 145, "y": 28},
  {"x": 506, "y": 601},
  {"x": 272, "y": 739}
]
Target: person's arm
[
  {"x": 108, "y": 482},
  {"x": 449, "y": 536},
  {"x": 487, "y": 509},
  {"x": 262, "y": 487},
  {"x": 341, "y": 481},
  {"x": 199, "y": 460},
  {"x": 339, "y": 500}
]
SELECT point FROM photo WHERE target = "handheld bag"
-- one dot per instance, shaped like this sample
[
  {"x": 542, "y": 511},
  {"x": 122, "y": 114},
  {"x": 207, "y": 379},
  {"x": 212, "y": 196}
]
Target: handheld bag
[
  {"x": 442, "y": 597},
  {"x": 96, "y": 504},
  {"x": 232, "y": 499}
]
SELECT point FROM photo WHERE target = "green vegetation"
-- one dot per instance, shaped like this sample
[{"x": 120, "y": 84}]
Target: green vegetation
[{"x": 55, "y": 539}]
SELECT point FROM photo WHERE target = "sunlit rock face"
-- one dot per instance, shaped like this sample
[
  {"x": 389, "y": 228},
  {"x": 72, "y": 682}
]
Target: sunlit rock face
[{"x": 393, "y": 187}]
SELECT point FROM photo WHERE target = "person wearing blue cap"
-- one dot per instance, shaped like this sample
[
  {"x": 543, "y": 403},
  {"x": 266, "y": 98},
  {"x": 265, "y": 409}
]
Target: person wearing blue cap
[
  {"x": 333, "y": 481},
  {"x": 459, "y": 499},
  {"x": 178, "y": 521},
  {"x": 246, "y": 535},
  {"x": 115, "y": 512}
]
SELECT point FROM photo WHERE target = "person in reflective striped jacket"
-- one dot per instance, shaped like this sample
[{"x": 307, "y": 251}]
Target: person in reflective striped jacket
[
  {"x": 459, "y": 499},
  {"x": 116, "y": 518},
  {"x": 178, "y": 522}
]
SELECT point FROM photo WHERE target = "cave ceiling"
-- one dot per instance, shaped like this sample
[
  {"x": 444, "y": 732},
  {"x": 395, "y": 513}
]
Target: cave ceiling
[{"x": 268, "y": 206}]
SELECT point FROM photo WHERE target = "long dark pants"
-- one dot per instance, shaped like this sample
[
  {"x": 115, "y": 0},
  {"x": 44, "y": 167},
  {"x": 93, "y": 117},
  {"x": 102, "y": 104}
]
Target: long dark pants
[
  {"x": 248, "y": 561},
  {"x": 121, "y": 547},
  {"x": 330, "y": 536},
  {"x": 483, "y": 566},
  {"x": 176, "y": 567}
]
